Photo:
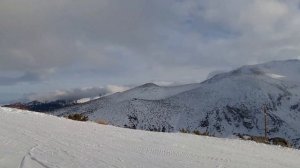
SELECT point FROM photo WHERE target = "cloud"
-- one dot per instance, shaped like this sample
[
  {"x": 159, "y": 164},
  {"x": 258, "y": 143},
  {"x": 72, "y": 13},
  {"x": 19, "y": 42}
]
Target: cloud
[
  {"x": 39, "y": 35},
  {"x": 75, "y": 94},
  {"x": 137, "y": 41},
  {"x": 27, "y": 77},
  {"x": 42, "y": 34}
]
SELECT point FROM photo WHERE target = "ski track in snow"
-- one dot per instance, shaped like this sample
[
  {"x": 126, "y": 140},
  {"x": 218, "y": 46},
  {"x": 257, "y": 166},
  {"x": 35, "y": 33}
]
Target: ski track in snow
[{"x": 34, "y": 140}]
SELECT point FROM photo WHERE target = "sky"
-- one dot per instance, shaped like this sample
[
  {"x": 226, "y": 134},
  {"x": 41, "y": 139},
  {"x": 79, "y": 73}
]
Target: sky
[{"x": 58, "y": 47}]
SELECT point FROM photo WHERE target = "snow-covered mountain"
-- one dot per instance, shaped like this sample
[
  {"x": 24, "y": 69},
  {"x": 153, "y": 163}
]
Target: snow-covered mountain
[
  {"x": 148, "y": 91},
  {"x": 228, "y": 103},
  {"x": 35, "y": 140}
]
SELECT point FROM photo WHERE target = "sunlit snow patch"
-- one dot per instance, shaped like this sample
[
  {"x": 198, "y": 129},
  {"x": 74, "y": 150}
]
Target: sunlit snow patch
[
  {"x": 85, "y": 100},
  {"x": 275, "y": 76}
]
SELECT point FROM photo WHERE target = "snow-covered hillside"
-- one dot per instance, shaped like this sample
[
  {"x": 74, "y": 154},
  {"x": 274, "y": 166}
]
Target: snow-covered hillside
[
  {"x": 147, "y": 91},
  {"x": 35, "y": 140},
  {"x": 228, "y": 103}
]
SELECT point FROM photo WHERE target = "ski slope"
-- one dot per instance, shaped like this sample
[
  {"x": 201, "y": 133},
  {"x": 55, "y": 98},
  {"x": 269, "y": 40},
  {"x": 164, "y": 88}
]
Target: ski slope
[{"x": 35, "y": 140}]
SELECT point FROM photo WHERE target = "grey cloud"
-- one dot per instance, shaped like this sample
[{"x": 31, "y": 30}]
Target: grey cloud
[
  {"x": 142, "y": 40},
  {"x": 60, "y": 33},
  {"x": 27, "y": 77},
  {"x": 43, "y": 34}
]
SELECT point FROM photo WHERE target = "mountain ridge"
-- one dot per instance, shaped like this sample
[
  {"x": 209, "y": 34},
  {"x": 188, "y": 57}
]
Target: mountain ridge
[{"x": 225, "y": 104}]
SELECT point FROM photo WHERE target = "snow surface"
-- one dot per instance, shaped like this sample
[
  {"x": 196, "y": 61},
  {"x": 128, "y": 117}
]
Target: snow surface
[
  {"x": 35, "y": 140},
  {"x": 87, "y": 99}
]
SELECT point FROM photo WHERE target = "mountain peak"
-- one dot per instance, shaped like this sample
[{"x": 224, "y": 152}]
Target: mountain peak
[
  {"x": 148, "y": 85},
  {"x": 287, "y": 70}
]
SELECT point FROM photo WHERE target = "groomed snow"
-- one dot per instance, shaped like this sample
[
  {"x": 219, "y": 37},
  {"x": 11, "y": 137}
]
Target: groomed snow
[{"x": 34, "y": 140}]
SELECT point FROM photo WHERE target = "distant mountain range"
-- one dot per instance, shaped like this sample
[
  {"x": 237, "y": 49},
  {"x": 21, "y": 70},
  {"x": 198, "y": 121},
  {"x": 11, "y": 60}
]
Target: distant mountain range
[
  {"x": 223, "y": 105},
  {"x": 45, "y": 107}
]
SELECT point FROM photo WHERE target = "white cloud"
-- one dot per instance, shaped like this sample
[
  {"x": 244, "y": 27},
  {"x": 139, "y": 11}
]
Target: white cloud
[{"x": 75, "y": 94}]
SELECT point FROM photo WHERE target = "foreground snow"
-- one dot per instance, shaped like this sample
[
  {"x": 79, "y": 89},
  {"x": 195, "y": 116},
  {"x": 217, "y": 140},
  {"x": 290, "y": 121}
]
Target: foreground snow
[{"x": 33, "y": 140}]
